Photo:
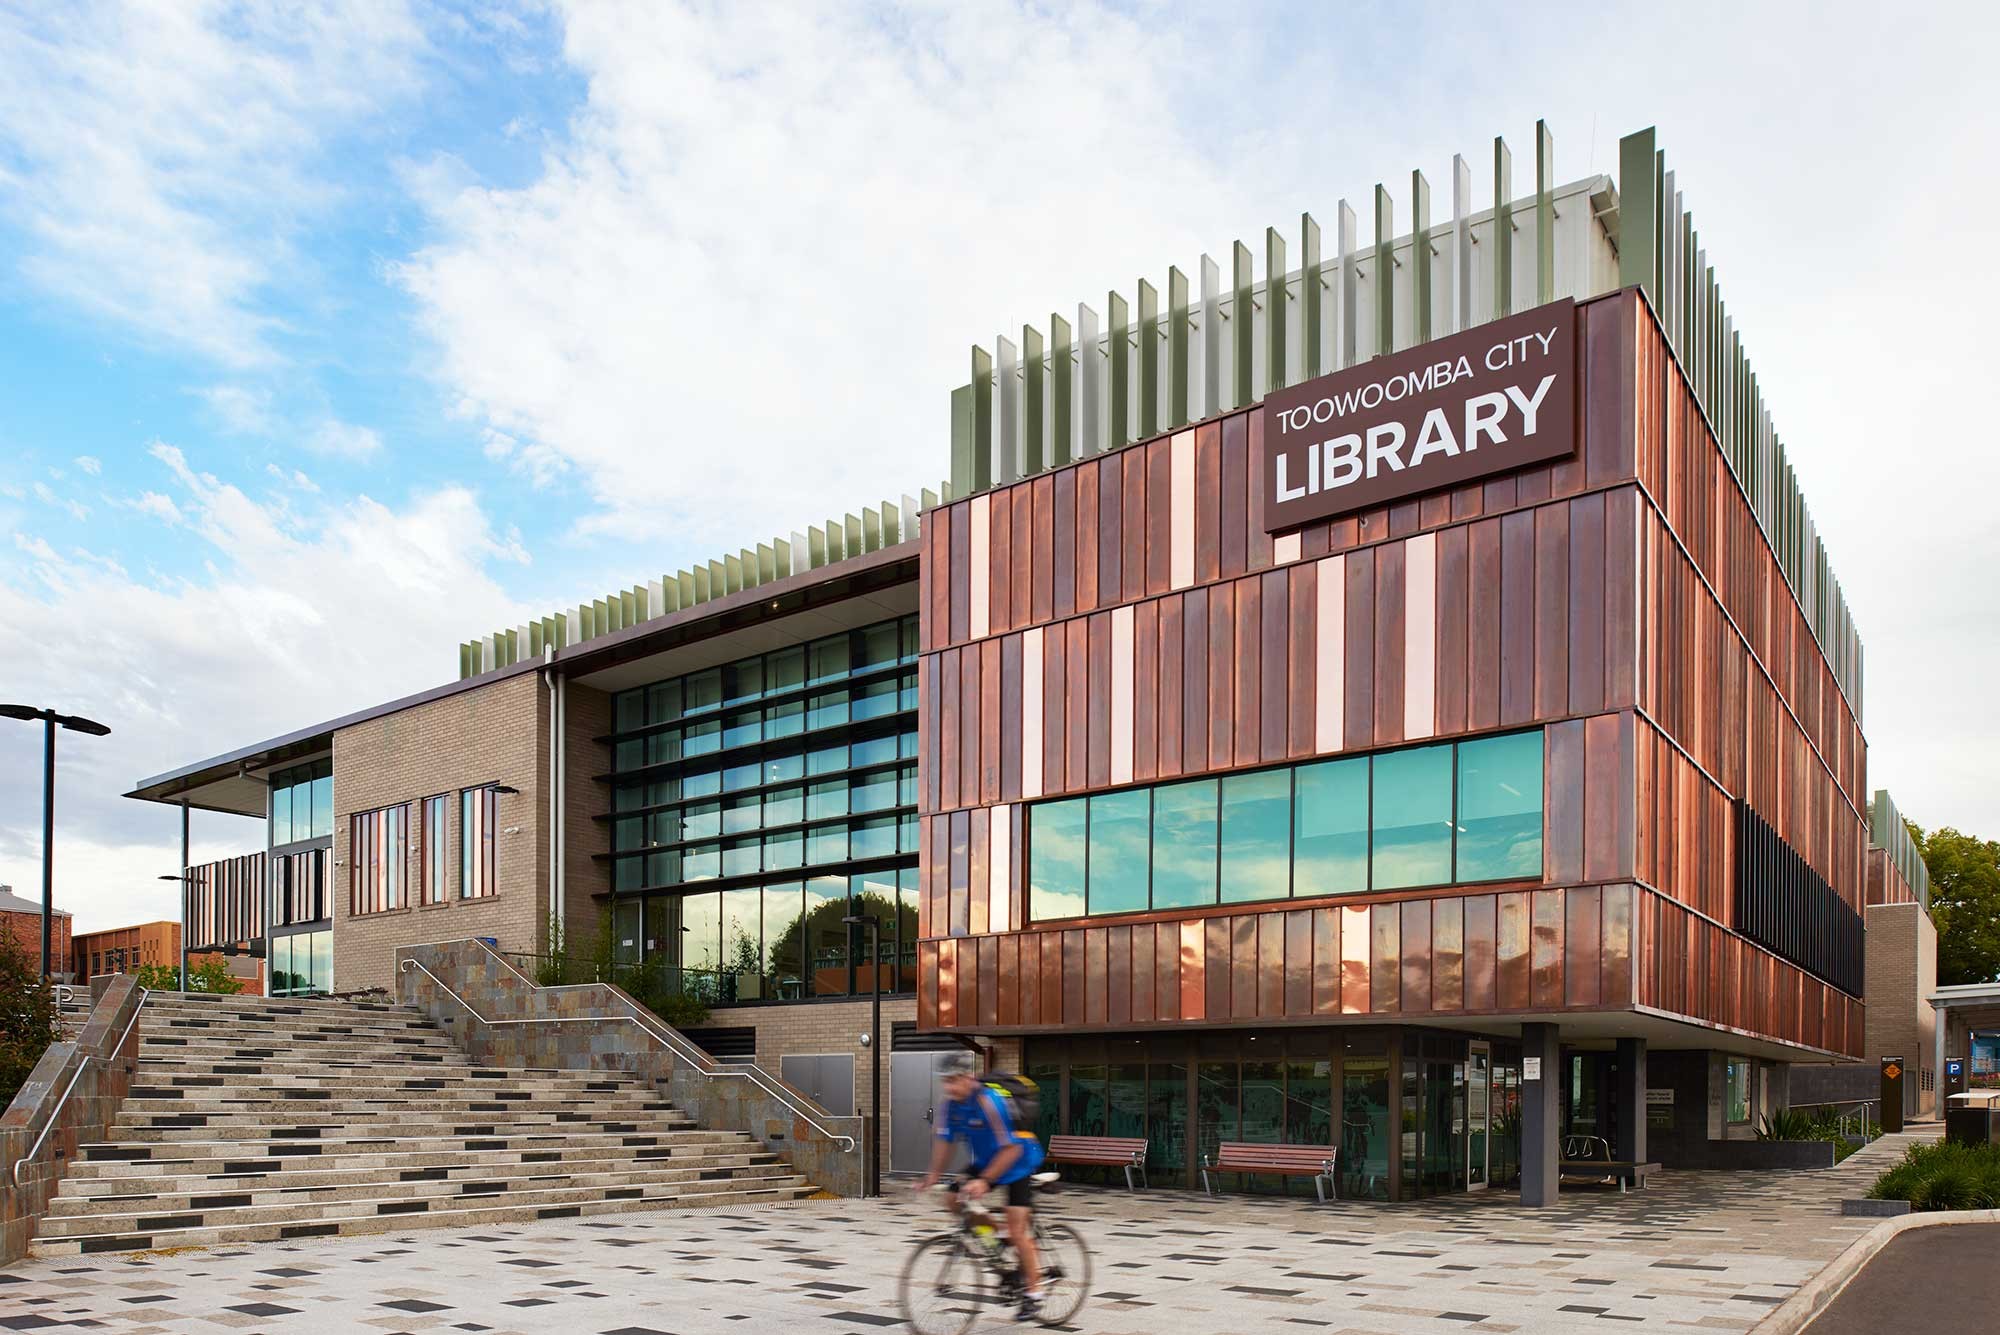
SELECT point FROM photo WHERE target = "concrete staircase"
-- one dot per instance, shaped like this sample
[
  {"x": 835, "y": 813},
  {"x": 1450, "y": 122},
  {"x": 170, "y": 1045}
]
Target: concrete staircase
[{"x": 253, "y": 1120}]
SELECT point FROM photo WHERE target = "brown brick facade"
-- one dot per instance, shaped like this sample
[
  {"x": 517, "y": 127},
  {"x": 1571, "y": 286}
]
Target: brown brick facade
[
  {"x": 833, "y": 1028},
  {"x": 497, "y": 734},
  {"x": 1902, "y": 971},
  {"x": 26, "y": 929}
]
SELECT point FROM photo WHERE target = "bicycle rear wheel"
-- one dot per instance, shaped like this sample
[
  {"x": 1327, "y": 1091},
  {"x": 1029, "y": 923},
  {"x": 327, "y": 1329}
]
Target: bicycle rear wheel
[
  {"x": 941, "y": 1289},
  {"x": 1065, "y": 1272}
]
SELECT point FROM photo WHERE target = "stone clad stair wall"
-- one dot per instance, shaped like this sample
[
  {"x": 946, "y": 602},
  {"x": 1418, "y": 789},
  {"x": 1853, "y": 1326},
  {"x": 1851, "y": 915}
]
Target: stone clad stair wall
[
  {"x": 68, "y": 1099},
  {"x": 255, "y": 1120},
  {"x": 505, "y": 1019}
]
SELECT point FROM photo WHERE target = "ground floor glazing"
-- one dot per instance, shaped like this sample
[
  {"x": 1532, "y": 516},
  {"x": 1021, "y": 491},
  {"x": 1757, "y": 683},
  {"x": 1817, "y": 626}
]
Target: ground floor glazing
[{"x": 1412, "y": 1112}]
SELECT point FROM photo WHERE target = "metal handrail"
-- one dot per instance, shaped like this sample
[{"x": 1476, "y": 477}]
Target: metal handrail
[
  {"x": 14, "y": 1174},
  {"x": 702, "y": 1063}
]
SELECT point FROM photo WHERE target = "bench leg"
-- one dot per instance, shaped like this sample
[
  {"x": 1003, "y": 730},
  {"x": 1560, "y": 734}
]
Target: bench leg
[
  {"x": 1128, "y": 1177},
  {"x": 1206, "y": 1190},
  {"x": 1319, "y": 1188}
]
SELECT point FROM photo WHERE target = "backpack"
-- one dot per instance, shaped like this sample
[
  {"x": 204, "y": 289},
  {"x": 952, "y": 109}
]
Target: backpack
[{"x": 1020, "y": 1096}]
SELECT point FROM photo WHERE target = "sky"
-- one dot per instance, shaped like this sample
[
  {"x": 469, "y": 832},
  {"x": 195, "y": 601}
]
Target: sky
[{"x": 332, "y": 335}]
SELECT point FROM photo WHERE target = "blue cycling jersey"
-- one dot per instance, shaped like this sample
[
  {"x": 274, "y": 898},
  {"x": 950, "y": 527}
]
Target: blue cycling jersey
[{"x": 983, "y": 1124}]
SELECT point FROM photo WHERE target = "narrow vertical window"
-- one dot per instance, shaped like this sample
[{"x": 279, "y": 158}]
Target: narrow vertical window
[
  {"x": 479, "y": 811},
  {"x": 436, "y": 837}
]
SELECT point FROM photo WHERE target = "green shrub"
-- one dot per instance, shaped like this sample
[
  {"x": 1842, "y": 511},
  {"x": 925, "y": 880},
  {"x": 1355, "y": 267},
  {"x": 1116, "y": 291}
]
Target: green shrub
[{"x": 1943, "y": 1176}]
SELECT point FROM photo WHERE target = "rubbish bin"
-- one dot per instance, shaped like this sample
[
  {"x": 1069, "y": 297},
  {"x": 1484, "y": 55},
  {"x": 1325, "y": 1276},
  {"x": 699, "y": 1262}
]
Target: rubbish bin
[{"x": 1973, "y": 1118}]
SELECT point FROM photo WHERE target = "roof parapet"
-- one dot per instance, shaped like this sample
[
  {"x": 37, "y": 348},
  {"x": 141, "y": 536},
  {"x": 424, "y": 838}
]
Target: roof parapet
[{"x": 821, "y": 545}]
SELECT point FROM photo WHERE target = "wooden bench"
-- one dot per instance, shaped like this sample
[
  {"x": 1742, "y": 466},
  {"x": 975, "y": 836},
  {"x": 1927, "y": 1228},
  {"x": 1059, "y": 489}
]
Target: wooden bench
[
  {"x": 1314, "y": 1161},
  {"x": 1126, "y": 1152},
  {"x": 1623, "y": 1170}
]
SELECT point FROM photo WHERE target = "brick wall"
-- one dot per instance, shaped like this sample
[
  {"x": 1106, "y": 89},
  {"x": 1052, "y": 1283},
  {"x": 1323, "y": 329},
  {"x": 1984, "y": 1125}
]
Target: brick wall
[
  {"x": 494, "y": 734},
  {"x": 26, "y": 929},
  {"x": 820, "y": 1028},
  {"x": 1901, "y": 971}
]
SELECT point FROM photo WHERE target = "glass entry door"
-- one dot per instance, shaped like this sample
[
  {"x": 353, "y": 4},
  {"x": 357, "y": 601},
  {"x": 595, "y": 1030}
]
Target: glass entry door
[{"x": 1478, "y": 1119}]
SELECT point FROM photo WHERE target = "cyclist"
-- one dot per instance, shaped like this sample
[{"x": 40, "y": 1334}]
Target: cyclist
[{"x": 1002, "y": 1156}]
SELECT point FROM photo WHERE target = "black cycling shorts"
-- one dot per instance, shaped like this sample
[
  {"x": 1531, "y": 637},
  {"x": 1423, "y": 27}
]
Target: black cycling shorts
[{"x": 1020, "y": 1192}]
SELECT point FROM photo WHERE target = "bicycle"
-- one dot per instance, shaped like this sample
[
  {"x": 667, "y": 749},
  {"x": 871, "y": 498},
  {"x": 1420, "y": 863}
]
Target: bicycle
[{"x": 951, "y": 1276}]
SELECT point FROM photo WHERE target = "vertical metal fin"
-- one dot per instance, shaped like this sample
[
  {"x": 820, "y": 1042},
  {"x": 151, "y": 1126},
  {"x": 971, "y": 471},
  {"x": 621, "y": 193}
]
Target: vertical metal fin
[
  {"x": 1385, "y": 271},
  {"x": 1420, "y": 258},
  {"x": 1275, "y": 270},
  {"x": 1310, "y": 304},
  {"x": 1211, "y": 338},
  {"x": 1062, "y": 393},
  {"x": 1032, "y": 407},
  {"x": 1242, "y": 329},
  {"x": 1545, "y": 214},
  {"x": 1503, "y": 229},
  {"x": 1347, "y": 237},
  {"x": 1177, "y": 348},
  {"x": 1149, "y": 360},
  {"x": 1461, "y": 245},
  {"x": 1638, "y": 207},
  {"x": 982, "y": 420}
]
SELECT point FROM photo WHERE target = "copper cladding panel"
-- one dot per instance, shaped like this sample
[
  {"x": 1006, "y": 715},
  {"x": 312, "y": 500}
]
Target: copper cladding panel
[
  {"x": 1299, "y": 962},
  {"x": 1448, "y": 954},
  {"x": 1216, "y": 957},
  {"x": 1582, "y": 946},
  {"x": 1481, "y": 953},
  {"x": 1547, "y": 949},
  {"x": 1616, "y": 964},
  {"x": 1143, "y": 993},
  {"x": 1167, "y": 970},
  {"x": 1511, "y": 958},
  {"x": 1244, "y": 967},
  {"x": 1326, "y": 962},
  {"x": 1354, "y": 943},
  {"x": 1193, "y": 971},
  {"x": 1118, "y": 999},
  {"x": 1385, "y": 958},
  {"x": 1414, "y": 946}
]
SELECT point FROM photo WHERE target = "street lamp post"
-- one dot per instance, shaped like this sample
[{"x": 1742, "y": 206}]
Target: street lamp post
[
  {"x": 184, "y": 880},
  {"x": 874, "y": 927},
  {"x": 75, "y": 723}
]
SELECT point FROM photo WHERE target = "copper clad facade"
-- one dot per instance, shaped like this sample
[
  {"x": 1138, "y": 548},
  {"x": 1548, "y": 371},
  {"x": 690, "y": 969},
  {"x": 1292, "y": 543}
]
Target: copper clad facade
[{"x": 1141, "y": 625}]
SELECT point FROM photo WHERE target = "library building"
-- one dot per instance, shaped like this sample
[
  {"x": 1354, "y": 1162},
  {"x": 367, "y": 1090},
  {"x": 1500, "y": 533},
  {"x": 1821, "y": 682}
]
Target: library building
[{"x": 1383, "y": 695}]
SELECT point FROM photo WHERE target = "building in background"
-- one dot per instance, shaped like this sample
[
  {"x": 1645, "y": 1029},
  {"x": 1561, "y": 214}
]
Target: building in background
[
  {"x": 1399, "y": 702},
  {"x": 22, "y": 919},
  {"x": 124, "y": 949}
]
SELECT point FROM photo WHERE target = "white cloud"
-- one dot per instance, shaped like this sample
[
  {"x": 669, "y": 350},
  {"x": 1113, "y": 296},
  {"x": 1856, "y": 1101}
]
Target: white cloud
[
  {"x": 343, "y": 440},
  {"x": 90, "y": 464},
  {"x": 725, "y": 302},
  {"x": 288, "y": 624},
  {"x": 240, "y": 409},
  {"x": 157, "y": 157},
  {"x": 160, "y": 507},
  {"x": 47, "y": 496}
]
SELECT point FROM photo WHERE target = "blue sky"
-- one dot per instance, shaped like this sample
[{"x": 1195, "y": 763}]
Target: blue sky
[{"x": 332, "y": 335}]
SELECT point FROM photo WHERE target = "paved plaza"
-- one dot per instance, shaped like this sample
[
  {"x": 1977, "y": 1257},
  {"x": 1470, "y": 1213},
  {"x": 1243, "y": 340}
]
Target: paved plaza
[{"x": 1697, "y": 1251}]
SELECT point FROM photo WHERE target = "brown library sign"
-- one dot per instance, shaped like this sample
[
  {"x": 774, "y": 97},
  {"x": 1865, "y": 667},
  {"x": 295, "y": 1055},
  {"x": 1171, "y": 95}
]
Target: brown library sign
[{"x": 1486, "y": 401}]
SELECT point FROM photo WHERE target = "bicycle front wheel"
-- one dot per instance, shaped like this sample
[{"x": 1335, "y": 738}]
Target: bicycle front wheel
[
  {"x": 1065, "y": 1261},
  {"x": 942, "y": 1289}
]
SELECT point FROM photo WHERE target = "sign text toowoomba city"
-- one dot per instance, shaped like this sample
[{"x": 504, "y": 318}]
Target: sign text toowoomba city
[{"x": 1487, "y": 401}]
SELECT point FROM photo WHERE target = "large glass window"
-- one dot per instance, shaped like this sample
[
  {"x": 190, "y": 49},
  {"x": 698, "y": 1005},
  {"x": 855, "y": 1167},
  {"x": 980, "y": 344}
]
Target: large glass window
[
  {"x": 302, "y": 803},
  {"x": 1330, "y": 827},
  {"x": 1184, "y": 844},
  {"x": 1433, "y": 815},
  {"x": 1056, "y": 858},
  {"x": 1256, "y": 836},
  {"x": 789, "y": 763},
  {"x": 479, "y": 842},
  {"x": 1412, "y": 828},
  {"x": 1500, "y": 808},
  {"x": 1118, "y": 839}
]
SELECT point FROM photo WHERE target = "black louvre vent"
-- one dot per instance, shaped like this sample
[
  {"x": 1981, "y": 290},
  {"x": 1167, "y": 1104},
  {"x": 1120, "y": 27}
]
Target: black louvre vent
[
  {"x": 1788, "y": 908},
  {"x": 731, "y": 1044}
]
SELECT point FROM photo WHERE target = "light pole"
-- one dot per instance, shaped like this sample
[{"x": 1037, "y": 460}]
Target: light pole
[
  {"x": 184, "y": 880},
  {"x": 874, "y": 927},
  {"x": 49, "y": 719}
]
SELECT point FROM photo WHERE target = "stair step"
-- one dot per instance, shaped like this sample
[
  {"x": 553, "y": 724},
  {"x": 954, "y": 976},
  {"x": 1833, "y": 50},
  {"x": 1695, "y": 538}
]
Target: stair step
[
  {"x": 489, "y": 1213},
  {"x": 313, "y": 1177},
  {"x": 206, "y": 1200},
  {"x": 239, "y": 1160}
]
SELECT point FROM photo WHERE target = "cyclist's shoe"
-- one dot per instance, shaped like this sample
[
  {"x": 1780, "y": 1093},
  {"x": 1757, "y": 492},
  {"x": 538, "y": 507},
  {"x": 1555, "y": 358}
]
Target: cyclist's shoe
[{"x": 1029, "y": 1310}]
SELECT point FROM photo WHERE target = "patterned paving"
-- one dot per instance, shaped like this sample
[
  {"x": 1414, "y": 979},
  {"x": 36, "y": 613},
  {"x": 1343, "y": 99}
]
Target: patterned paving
[{"x": 1697, "y": 1251}]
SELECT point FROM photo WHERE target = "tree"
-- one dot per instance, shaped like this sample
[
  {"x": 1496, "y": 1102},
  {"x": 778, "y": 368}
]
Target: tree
[
  {"x": 29, "y": 1018},
  {"x": 1965, "y": 903}
]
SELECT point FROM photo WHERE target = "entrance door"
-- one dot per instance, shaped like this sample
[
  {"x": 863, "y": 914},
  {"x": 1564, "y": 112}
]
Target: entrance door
[
  {"x": 1478, "y": 1115},
  {"x": 916, "y": 1092}
]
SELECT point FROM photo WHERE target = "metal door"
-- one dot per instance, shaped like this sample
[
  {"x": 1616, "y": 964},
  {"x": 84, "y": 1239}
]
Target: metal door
[
  {"x": 1479, "y": 1069},
  {"x": 916, "y": 1092},
  {"x": 828, "y": 1078}
]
